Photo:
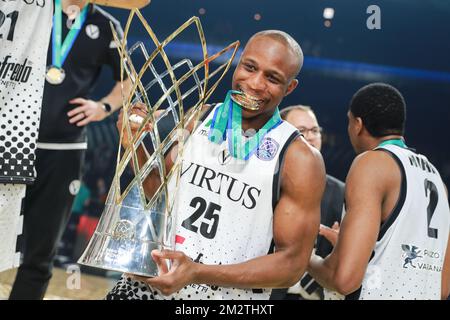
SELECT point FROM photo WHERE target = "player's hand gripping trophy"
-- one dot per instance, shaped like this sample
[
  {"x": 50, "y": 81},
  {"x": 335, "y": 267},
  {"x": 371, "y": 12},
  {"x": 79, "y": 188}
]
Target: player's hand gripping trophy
[{"x": 136, "y": 221}]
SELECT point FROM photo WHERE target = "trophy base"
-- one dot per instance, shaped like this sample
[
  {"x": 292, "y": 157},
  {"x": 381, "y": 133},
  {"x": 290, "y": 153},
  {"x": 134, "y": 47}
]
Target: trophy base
[{"x": 124, "y": 255}]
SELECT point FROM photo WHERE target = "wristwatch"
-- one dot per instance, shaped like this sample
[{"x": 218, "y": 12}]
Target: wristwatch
[{"x": 107, "y": 107}]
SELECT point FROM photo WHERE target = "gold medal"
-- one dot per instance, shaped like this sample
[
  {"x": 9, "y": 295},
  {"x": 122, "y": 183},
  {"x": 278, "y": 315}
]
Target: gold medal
[
  {"x": 55, "y": 75},
  {"x": 245, "y": 100}
]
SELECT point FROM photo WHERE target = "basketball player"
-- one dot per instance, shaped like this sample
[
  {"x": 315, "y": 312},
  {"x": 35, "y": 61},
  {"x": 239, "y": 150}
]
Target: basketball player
[
  {"x": 62, "y": 139},
  {"x": 25, "y": 35},
  {"x": 305, "y": 120},
  {"x": 393, "y": 242},
  {"x": 233, "y": 201}
]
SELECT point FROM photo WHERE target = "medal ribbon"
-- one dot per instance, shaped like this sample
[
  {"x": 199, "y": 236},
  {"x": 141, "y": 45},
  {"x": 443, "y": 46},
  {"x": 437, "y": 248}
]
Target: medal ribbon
[
  {"x": 396, "y": 142},
  {"x": 227, "y": 124},
  {"x": 60, "y": 52}
]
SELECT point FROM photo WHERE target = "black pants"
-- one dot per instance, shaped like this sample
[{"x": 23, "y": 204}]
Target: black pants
[{"x": 47, "y": 208}]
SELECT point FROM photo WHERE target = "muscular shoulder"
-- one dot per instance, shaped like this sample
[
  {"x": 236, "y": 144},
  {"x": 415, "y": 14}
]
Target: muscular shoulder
[
  {"x": 301, "y": 153},
  {"x": 374, "y": 162},
  {"x": 375, "y": 170},
  {"x": 303, "y": 165}
]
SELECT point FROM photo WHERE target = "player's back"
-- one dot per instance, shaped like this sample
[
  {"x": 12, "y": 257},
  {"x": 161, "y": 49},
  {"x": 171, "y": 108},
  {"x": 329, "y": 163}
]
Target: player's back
[{"x": 409, "y": 254}]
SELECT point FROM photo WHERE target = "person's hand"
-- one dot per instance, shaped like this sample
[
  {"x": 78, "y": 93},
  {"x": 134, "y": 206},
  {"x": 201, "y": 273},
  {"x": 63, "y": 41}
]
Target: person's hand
[
  {"x": 137, "y": 111},
  {"x": 181, "y": 273},
  {"x": 331, "y": 234},
  {"x": 87, "y": 111}
]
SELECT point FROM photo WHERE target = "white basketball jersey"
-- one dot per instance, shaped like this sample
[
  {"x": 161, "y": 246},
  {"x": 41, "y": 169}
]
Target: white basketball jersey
[
  {"x": 224, "y": 209},
  {"x": 409, "y": 253},
  {"x": 24, "y": 37}
]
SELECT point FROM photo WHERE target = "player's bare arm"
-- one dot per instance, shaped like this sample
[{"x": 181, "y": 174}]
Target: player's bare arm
[{"x": 369, "y": 180}]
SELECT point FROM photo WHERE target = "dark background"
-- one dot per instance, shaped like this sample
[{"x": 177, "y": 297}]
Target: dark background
[{"x": 411, "y": 52}]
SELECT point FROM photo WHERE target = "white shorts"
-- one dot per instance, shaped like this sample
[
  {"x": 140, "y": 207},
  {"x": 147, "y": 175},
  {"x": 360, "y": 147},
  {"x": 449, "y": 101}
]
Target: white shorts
[{"x": 11, "y": 223}]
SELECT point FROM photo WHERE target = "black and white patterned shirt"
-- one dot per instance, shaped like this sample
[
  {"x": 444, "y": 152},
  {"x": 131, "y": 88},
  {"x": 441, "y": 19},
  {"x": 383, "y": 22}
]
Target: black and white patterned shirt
[{"x": 24, "y": 39}]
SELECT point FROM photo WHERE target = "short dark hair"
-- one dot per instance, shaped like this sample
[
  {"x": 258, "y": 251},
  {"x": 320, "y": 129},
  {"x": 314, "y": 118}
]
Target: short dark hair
[{"x": 382, "y": 109}]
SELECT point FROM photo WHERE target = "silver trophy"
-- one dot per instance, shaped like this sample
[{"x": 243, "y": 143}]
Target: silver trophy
[{"x": 133, "y": 223}]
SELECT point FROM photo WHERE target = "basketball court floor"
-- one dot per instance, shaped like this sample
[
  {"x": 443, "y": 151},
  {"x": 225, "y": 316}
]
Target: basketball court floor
[{"x": 63, "y": 285}]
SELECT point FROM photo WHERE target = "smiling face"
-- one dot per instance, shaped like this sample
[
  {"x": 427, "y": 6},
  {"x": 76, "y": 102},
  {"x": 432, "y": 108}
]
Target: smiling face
[{"x": 266, "y": 72}]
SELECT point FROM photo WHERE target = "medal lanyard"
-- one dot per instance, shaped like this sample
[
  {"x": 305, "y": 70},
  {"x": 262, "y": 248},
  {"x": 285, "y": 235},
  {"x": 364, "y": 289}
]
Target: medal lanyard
[
  {"x": 227, "y": 122},
  {"x": 60, "y": 52}
]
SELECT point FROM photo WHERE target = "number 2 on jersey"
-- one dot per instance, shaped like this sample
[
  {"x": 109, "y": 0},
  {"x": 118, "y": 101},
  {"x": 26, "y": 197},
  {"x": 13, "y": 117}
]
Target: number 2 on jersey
[
  {"x": 202, "y": 208},
  {"x": 431, "y": 188}
]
